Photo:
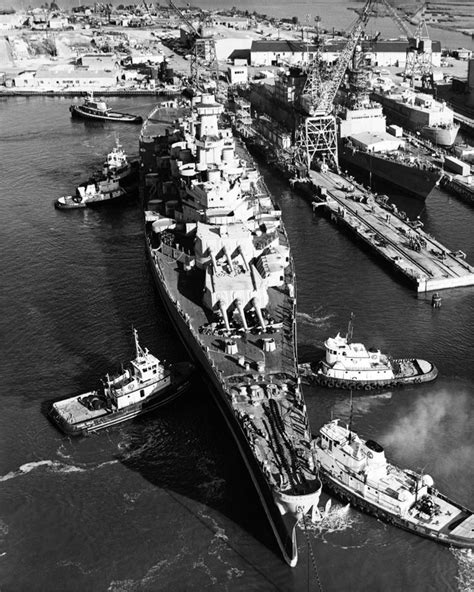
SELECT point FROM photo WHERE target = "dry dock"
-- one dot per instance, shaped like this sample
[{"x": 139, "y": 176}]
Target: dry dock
[{"x": 422, "y": 260}]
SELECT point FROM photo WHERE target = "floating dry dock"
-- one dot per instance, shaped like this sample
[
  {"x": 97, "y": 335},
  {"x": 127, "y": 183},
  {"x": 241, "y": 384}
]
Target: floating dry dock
[{"x": 425, "y": 262}]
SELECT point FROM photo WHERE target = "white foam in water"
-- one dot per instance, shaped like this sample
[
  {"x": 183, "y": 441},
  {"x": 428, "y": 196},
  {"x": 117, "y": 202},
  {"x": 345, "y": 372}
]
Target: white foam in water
[
  {"x": 54, "y": 466},
  {"x": 334, "y": 518},
  {"x": 310, "y": 320},
  {"x": 465, "y": 576}
]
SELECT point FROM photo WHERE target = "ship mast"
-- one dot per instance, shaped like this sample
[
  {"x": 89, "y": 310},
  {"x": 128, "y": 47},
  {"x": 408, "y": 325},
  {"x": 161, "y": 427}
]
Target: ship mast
[
  {"x": 350, "y": 417},
  {"x": 350, "y": 329},
  {"x": 138, "y": 349}
]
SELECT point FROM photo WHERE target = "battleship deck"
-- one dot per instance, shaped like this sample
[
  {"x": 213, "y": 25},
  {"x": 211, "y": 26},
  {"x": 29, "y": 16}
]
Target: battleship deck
[
  {"x": 221, "y": 262},
  {"x": 432, "y": 267},
  {"x": 188, "y": 290}
]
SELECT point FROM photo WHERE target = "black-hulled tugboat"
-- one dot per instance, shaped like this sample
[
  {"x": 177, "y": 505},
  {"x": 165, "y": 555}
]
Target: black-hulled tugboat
[
  {"x": 98, "y": 110},
  {"x": 141, "y": 387},
  {"x": 357, "y": 471},
  {"x": 352, "y": 366}
]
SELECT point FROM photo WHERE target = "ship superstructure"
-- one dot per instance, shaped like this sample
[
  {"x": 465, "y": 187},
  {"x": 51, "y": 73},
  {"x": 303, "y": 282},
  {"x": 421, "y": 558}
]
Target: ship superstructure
[
  {"x": 420, "y": 112},
  {"x": 222, "y": 264},
  {"x": 366, "y": 143}
]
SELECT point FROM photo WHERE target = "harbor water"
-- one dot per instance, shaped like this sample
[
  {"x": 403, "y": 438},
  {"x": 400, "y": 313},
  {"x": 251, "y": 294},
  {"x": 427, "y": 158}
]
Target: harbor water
[{"x": 164, "y": 502}]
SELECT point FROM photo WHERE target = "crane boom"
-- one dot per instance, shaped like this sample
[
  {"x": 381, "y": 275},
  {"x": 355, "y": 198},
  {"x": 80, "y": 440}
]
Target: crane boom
[
  {"x": 321, "y": 94},
  {"x": 184, "y": 18},
  {"x": 397, "y": 18}
]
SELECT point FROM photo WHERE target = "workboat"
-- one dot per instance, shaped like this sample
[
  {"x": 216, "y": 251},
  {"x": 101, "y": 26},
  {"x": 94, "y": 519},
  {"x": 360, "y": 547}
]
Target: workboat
[
  {"x": 421, "y": 113},
  {"x": 91, "y": 193},
  {"x": 144, "y": 385},
  {"x": 117, "y": 166},
  {"x": 222, "y": 265},
  {"x": 98, "y": 110},
  {"x": 358, "y": 472},
  {"x": 352, "y": 366}
]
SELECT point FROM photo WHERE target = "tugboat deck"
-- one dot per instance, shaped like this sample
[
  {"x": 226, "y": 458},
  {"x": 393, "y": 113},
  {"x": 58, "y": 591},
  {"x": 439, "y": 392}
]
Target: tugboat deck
[{"x": 76, "y": 411}]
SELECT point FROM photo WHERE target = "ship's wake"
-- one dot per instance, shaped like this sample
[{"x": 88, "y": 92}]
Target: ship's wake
[
  {"x": 465, "y": 576},
  {"x": 52, "y": 466},
  {"x": 317, "y": 321}
]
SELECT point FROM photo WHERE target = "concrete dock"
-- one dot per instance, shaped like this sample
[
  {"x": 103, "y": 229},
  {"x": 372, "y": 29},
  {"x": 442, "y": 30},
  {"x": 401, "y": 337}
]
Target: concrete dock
[{"x": 422, "y": 260}]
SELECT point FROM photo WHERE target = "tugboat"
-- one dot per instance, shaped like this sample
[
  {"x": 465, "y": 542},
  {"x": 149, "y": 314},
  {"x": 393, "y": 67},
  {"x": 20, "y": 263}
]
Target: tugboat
[
  {"x": 91, "y": 193},
  {"x": 99, "y": 111},
  {"x": 358, "y": 472},
  {"x": 142, "y": 387},
  {"x": 353, "y": 366},
  {"x": 118, "y": 167},
  {"x": 221, "y": 261}
]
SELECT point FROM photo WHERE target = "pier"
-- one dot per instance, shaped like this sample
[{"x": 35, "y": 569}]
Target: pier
[
  {"x": 420, "y": 258},
  {"x": 467, "y": 123}
]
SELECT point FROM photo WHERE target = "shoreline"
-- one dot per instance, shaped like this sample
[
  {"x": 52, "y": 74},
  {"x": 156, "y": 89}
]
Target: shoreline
[{"x": 83, "y": 93}]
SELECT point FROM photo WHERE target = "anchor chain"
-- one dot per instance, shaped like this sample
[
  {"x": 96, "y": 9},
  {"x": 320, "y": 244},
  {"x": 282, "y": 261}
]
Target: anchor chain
[{"x": 313, "y": 558}]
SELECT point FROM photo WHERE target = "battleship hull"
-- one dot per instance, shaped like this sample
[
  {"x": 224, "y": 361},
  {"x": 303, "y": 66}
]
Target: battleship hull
[
  {"x": 417, "y": 181},
  {"x": 221, "y": 262},
  {"x": 283, "y": 526}
]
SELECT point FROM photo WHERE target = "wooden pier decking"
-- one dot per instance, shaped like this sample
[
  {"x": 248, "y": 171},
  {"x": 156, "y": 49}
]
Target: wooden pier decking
[{"x": 428, "y": 267}]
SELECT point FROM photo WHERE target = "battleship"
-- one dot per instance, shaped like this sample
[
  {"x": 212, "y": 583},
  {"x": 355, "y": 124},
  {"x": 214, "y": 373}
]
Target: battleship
[
  {"x": 221, "y": 261},
  {"x": 400, "y": 497}
]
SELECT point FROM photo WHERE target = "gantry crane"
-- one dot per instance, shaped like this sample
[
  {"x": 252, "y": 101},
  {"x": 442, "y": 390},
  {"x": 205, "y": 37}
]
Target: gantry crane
[
  {"x": 316, "y": 134},
  {"x": 203, "y": 54},
  {"x": 419, "y": 59}
]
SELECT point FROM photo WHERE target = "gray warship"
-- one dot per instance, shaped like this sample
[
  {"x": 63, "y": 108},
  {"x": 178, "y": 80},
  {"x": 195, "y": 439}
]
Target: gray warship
[{"x": 221, "y": 261}]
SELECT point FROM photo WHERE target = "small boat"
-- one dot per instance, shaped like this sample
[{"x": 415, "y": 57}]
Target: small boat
[
  {"x": 358, "y": 472},
  {"x": 141, "y": 387},
  {"x": 91, "y": 193},
  {"x": 352, "y": 366},
  {"x": 117, "y": 166},
  {"x": 98, "y": 110}
]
